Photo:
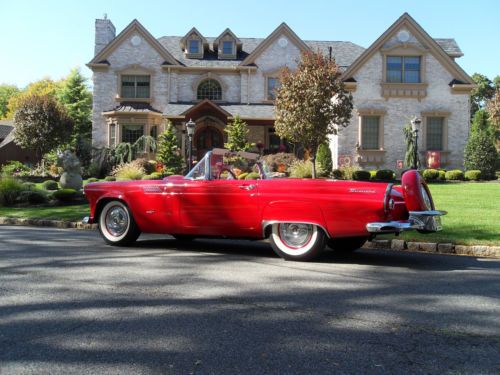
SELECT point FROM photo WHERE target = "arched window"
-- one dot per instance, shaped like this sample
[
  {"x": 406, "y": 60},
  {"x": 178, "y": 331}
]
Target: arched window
[{"x": 209, "y": 89}]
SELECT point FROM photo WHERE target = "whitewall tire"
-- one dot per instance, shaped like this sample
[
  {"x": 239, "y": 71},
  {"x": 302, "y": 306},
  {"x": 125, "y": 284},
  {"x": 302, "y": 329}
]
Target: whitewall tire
[
  {"x": 297, "y": 241},
  {"x": 116, "y": 224}
]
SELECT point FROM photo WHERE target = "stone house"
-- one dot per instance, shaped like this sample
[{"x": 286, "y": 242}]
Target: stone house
[{"x": 140, "y": 82}]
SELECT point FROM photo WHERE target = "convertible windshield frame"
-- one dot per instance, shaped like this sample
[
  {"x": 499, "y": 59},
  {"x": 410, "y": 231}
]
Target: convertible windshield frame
[{"x": 203, "y": 169}]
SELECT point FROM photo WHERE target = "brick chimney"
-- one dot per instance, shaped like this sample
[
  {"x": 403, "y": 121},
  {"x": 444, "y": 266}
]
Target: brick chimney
[{"x": 105, "y": 32}]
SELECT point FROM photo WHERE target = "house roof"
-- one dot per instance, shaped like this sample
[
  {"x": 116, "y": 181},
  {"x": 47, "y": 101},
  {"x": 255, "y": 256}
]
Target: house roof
[
  {"x": 450, "y": 46},
  {"x": 8, "y": 139},
  {"x": 245, "y": 111},
  {"x": 6, "y": 126},
  {"x": 133, "y": 107}
]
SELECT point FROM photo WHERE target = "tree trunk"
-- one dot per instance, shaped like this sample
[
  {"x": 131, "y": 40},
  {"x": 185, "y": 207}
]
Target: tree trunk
[{"x": 313, "y": 161}]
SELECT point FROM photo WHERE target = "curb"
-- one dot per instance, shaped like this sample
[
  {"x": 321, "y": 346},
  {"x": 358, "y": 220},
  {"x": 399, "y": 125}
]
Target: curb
[
  {"x": 436, "y": 248},
  {"x": 395, "y": 244},
  {"x": 47, "y": 223}
]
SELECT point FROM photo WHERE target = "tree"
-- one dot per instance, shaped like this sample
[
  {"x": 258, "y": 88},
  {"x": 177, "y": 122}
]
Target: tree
[
  {"x": 42, "y": 87},
  {"x": 312, "y": 103},
  {"x": 6, "y": 92},
  {"x": 75, "y": 96},
  {"x": 480, "y": 152},
  {"x": 482, "y": 93},
  {"x": 493, "y": 108},
  {"x": 324, "y": 158},
  {"x": 237, "y": 133},
  {"x": 41, "y": 124},
  {"x": 168, "y": 151}
]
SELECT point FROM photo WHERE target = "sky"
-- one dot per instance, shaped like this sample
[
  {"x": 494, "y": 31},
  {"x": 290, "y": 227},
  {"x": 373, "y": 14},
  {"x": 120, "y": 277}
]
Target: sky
[{"x": 47, "y": 38}]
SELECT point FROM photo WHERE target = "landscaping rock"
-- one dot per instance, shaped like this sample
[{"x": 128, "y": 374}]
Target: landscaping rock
[
  {"x": 446, "y": 248},
  {"x": 378, "y": 244},
  {"x": 422, "y": 246},
  {"x": 398, "y": 245}
]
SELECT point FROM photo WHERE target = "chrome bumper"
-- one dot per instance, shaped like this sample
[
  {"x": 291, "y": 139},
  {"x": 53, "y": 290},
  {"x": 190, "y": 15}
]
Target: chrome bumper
[
  {"x": 427, "y": 221},
  {"x": 86, "y": 220}
]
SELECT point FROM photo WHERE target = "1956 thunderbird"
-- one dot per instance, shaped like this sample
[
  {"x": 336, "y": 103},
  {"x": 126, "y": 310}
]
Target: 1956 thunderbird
[{"x": 299, "y": 216}]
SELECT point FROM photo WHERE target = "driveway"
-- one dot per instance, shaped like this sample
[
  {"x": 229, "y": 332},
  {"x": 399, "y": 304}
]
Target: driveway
[{"x": 70, "y": 304}]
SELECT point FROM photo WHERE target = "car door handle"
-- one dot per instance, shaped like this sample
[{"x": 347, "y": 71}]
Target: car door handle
[{"x": 247, "y": 187}]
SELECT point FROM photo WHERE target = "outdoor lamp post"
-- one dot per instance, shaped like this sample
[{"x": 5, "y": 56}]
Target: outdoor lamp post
[
  {"x": 415, "y": 125},
  {"x": 190, "y": 125}
]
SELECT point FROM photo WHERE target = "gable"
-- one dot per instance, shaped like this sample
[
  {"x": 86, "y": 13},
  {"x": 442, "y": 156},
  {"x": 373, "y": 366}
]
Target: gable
[
  {"x": 281, "y": 31},
  {"x": 133, "y": 28},
  {"x": 407, "y": 34}
]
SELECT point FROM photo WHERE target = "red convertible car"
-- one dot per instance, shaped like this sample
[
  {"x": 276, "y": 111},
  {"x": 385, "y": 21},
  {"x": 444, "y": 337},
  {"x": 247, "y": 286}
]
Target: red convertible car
[{"x": 229, "y": 195}]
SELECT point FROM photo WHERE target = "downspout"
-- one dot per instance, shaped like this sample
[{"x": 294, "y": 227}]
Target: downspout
[{"x": 248, "y": 86}]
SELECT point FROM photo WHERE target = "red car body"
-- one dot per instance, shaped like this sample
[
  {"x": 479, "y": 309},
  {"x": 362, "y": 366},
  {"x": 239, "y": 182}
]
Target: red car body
[{"x": 188, "y": 207}]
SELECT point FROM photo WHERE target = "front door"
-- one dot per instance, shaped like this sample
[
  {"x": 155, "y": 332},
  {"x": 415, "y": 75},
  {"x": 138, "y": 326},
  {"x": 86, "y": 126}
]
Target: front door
[{"x": 206, "y": 139}]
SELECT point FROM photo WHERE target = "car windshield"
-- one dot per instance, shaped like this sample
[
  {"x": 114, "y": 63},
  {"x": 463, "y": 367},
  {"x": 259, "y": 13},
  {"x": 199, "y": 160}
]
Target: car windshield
[{"x": 221, "y": 164}]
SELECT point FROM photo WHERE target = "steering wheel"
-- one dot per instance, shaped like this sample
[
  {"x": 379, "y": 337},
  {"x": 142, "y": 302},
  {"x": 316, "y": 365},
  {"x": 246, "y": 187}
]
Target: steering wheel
[{"x": 229, "y": 171}]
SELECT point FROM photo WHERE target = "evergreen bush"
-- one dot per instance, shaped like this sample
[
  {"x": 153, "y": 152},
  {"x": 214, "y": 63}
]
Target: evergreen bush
[
  {"x": 454, "y": 175},
  {"x": 50, "y": 185},
  {"x": 472, "y": 175},
  {"x": 109, "y": 178},
  {"x": 430, "y": 174},
  {"x": 385, "y": 175},
  {"x": 442, "y": 175},
  {"x": 338, "y": 174},
  {"x": 361, "y": 175},
  {"x": 65, "y": 195},
  {"x": 168, "y": 151},
  {"x": 32, "y": 197},
  {"x": 10, "y": 189},
  {"x": 324, "y": 158}
]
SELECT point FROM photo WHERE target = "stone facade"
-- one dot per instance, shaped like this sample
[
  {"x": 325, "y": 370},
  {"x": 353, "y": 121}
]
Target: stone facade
[{"x": 174, "y": 80}]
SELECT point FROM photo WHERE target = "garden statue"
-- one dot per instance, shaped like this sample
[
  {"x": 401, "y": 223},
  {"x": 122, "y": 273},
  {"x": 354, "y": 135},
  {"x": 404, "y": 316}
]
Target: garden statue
[{"x": 71, "y": 177}]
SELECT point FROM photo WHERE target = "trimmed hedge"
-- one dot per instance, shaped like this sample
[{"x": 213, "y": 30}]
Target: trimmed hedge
[
  {"x": 65, "y": 195},
  {"x": 472, "y": 175},
  {"x": 442, "y": 175},
  {"x": 252, "y": 176},
  {"x": 92, "y": 179},
  {"x": 454, "y": 175},
  {"x": 361, "y": 175},
  {"x": 385, "y": 175},
  {"x": 109, "y": 178},
  {"x": 337, "y": 174},
  {"x": 430, "y": 174},
  {"x": 50, "y": 185},
  {"x": 32, "y": 197},
  {"x": 373, "y": 174}
]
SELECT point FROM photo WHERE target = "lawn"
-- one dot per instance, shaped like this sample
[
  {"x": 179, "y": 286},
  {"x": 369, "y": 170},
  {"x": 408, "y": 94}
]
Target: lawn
[
  {"x": 70, "y": 212},
  {"x": 473, "y": 214}
]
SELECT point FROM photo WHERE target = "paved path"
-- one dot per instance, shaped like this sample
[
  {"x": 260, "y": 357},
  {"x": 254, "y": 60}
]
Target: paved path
[{"x": 70, "y": 304}]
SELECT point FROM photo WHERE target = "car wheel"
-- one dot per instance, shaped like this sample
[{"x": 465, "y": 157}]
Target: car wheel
[
  {"x": 116, "y": 224},
  {"x": 346, "y": 245},
  {"x": 297, "y": 241}
]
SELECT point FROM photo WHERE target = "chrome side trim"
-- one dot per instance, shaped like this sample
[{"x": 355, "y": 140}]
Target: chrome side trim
[
  {"x": 429, "y": 221},
  {"x": 266, "y": 223}
]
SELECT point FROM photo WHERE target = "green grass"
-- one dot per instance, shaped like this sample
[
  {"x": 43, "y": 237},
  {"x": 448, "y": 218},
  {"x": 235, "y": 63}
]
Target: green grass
[
  {"x": 473, "y": 214},
  {"x": 70, "y": 213}
]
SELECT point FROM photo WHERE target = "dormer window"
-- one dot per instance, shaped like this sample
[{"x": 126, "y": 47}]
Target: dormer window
[
  {"x": 194, "y": 46},
  {"x": 227, "y": 47}
]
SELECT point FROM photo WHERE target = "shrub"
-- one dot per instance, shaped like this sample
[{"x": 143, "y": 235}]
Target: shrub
[
  {"x": 430, "y": 174},
  {"x": 480, "y": 152},
  {"x": 94, "y": 170},
  {"x": 50, "y": 185},
  {"x": 32, "y": 197},
  {"x": 303, "y": 169},
  {"x": 373, "y": 174},
  {"x": 442, "y": 175},
  {"x": 454, "y": 175},
  {"x": 274, "y": 161},
  {"x": 109, "y": 178},
  {"x": 129, "y": 171},
  {"x": 242, "y": 176},
  {"x": 153, "y": 176},
  {"x": 252, "y": 176},
  {"x": 15, "y": 168},
  {"x": 337, "y": 174},
  {"x": 385, "y": 175},
  {"x": 472, "y": 175},
  {"x": 324, "y": 158},
  {"x": 27, "y": 186},
  {"x": 92, "y": 179},
  {"x": 348, "y": 172},
  {"x": 361, "y": 175},
  {"x": 65, "y": 195},
  {"x": 10, "y": 189}
]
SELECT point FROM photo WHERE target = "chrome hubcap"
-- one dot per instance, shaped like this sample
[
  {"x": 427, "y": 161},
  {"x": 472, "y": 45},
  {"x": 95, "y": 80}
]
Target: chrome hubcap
[
  {"x": 295, "y": 235},
  {"x": 116, "y": 221}
]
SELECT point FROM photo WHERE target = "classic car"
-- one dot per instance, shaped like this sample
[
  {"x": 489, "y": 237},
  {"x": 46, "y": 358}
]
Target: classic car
[{"x": 230, "y": 195}]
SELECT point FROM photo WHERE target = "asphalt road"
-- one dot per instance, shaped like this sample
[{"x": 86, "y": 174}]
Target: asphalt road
[{"x": 71, "y": 305}]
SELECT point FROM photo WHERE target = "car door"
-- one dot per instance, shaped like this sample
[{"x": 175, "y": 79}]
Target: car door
[{"x": 220, "y": 207}]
